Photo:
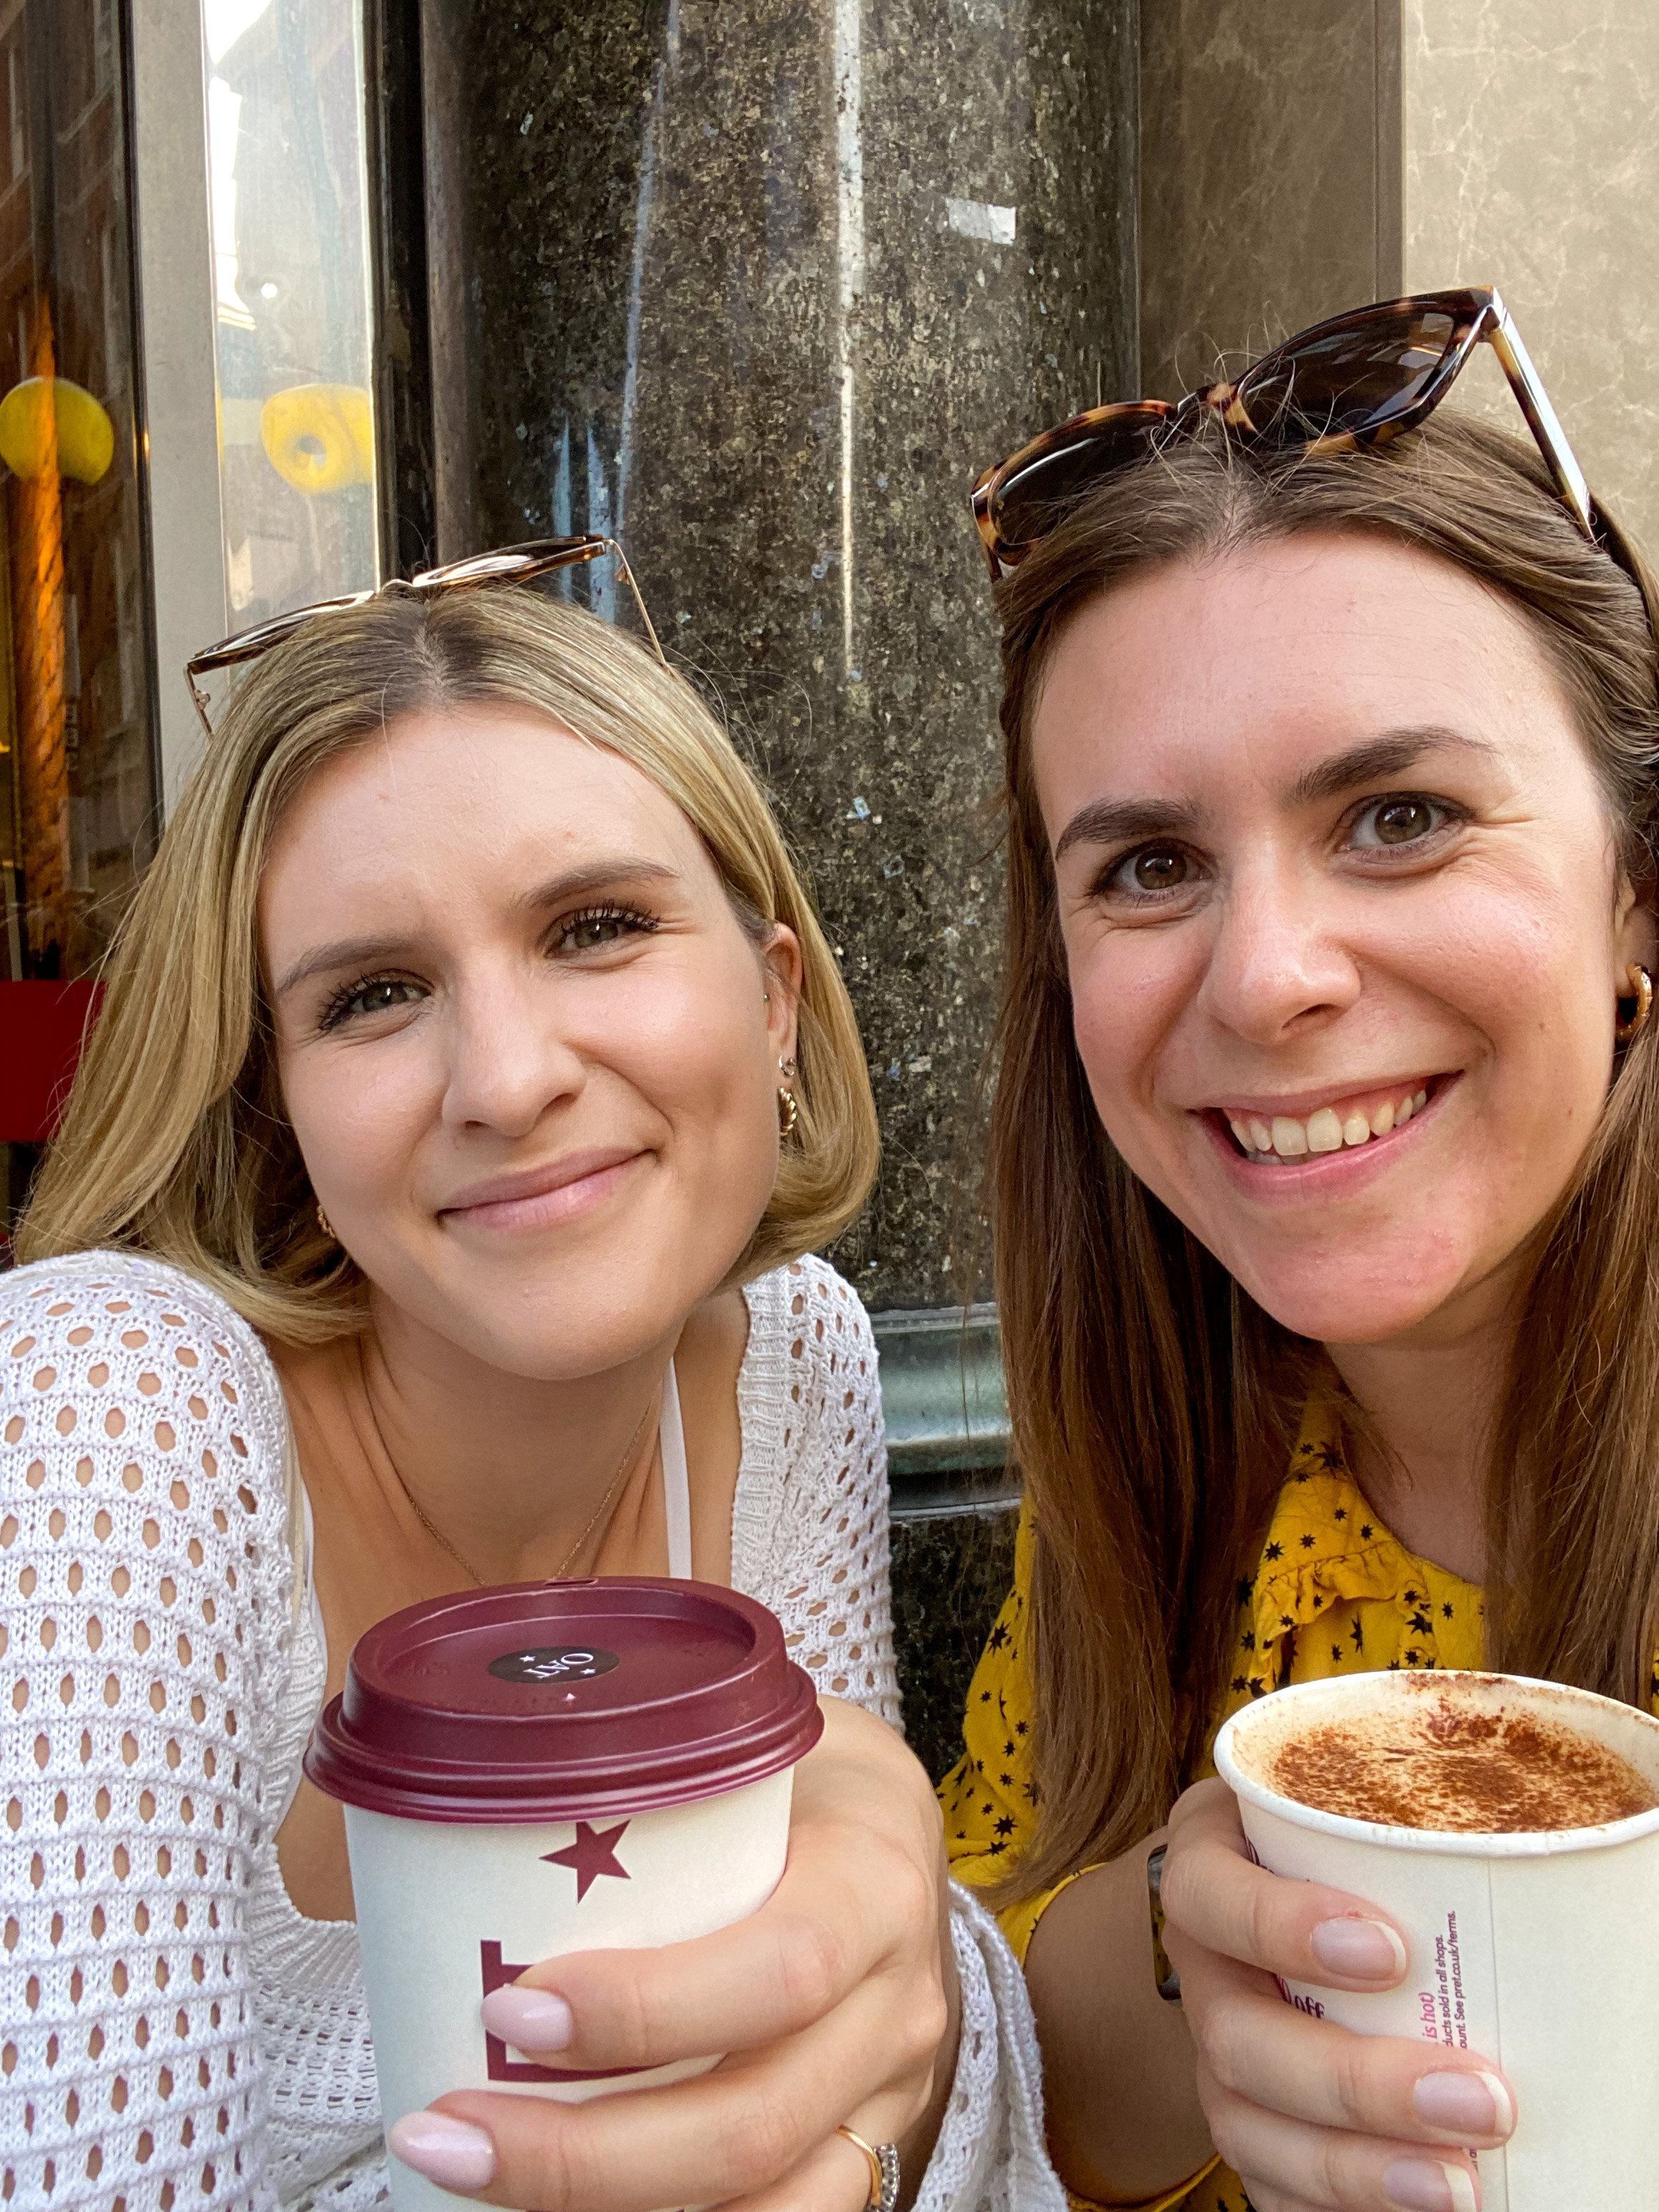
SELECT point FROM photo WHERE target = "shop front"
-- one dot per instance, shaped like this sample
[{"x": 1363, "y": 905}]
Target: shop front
[{"x": 188, "y": 430}]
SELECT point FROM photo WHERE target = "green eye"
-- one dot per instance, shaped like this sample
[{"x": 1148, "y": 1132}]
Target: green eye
[
  {"x": 381, "y": 998},
  {"x": 595, "y": 928},
  {"x": 603, "y": 929},
  {"x": 382, "y": 995}
]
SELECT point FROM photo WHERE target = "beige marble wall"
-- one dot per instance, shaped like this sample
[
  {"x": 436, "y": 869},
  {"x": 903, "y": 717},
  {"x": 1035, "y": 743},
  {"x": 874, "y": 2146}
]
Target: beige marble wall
[
  {"x": 1269, "y": 173},
  {"x": 1531, "y": 161}
]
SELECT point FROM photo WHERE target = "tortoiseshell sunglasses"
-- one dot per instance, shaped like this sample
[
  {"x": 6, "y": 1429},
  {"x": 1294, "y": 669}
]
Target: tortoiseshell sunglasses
[
  {"x": 508, "y": 564},
  {"x": 1355, "y": 380}
]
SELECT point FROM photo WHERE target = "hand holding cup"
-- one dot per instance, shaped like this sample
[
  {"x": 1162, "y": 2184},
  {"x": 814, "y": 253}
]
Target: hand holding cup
[
  {"x": 1313, "y": 2117},
  {"x": 610, "y": 1852},
  {"x": 834, "y": 2003}
]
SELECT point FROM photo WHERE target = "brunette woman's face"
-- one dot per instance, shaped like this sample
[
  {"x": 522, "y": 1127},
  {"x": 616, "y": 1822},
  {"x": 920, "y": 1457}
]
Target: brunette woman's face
[
  {"x": 1344, "y": 918},
  {"x": 530, "y": 1054}
]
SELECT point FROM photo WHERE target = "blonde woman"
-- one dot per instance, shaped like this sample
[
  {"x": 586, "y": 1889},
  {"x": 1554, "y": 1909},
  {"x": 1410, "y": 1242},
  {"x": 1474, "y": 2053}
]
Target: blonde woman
[{"x": 434, "y": 1206}]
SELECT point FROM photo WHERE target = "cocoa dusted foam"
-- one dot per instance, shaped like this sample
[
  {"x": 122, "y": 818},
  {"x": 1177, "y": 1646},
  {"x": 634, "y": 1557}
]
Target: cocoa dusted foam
[{"x": 1438, "y": 1764}]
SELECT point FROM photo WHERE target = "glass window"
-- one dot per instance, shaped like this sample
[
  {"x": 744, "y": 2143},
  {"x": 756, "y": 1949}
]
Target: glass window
[
  {"x": 289, "y": 176},
  {"x": 76, "y": 759}
]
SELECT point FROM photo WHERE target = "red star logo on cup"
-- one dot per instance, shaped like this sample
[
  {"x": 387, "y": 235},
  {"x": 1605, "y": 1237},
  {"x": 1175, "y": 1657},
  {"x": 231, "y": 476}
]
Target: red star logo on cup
[{"x": 593, "y": 1853}]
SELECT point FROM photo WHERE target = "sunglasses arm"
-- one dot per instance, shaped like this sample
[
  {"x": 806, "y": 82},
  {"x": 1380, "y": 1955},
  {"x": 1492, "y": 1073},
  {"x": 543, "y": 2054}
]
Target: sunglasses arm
[{"x": 1546, "y": 426}]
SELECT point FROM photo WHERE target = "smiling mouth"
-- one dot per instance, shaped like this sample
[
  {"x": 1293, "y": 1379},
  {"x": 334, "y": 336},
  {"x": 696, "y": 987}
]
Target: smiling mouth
[{"x": 1352, "y": 1124}]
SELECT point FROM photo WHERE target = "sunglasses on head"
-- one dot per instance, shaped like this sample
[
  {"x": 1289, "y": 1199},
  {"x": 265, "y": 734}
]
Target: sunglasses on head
[
  {"x": 508, "y": 564},
  {"x": 1356, "y": 380}
]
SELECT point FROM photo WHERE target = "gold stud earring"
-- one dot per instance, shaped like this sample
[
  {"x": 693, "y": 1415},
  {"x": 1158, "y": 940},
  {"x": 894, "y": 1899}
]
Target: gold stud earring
[
  {"x": 325, "y": 1224},
  {"x": 1641, "y": 989},
  {"x": 788, "y": 1111}
]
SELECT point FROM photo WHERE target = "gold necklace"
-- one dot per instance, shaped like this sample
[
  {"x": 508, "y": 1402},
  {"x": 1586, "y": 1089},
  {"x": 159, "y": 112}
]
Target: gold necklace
[{"x": 568, "y": 1560}]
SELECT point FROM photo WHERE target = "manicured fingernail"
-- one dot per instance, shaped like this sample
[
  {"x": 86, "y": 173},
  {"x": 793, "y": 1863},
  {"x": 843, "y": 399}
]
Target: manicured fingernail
[
  {"x": 449, "y": 2152},
  {"x": 530, "y": 2020},
  {"x": 1464, "y": 2104},
  {"x": 1423, "y": 2184},
  {"x": 1359, "y": 1950}
]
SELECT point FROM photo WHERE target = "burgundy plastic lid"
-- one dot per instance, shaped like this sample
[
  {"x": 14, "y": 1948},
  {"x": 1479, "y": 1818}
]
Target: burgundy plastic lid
[{"x": 556, "y": 1701}]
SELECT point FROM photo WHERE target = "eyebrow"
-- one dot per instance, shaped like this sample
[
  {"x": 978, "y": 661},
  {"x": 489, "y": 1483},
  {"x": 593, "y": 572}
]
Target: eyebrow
[
  {"x": 609, "y": 873},
  {"x": 1374, "y": 760}
]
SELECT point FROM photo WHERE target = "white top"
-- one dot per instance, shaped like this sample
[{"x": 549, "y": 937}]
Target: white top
[
  {"x": 676, "y": 1479},
  {"x": 173, "y": 2031}
]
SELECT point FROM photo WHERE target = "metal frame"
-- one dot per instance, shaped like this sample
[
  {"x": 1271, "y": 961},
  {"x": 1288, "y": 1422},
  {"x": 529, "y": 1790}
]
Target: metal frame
[
  {"x": 949, "y": 1448},
  {"x": 177, "y": 382}
]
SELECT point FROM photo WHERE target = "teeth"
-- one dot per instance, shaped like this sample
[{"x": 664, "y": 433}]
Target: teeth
[
  {"x": 1324, "y": 1131},
  {"x": 1287, "y": 1139}
]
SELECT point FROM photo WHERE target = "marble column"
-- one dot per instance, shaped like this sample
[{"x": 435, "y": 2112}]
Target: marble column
[
  {"x": 758, "y": 285},
  {"x": 1270, "y": 153}
]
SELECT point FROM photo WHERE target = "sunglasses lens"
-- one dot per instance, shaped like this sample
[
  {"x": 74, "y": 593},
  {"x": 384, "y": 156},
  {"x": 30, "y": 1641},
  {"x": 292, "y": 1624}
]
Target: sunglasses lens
[
  {"x": 1347, "y": 380},
  {"x": 1039, "y": 494}
]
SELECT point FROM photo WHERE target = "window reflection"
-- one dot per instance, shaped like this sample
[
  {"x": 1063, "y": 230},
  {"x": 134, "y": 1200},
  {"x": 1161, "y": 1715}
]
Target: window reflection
[
  {"x": 75, "y": 754},
  {"x": 286, "y": 168}
]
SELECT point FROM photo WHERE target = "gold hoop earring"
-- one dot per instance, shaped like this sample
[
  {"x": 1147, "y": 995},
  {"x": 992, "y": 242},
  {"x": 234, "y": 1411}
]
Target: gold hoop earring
[
  {"x": 788, "y": 1111},
  {"x": 1641, "y": 989},
  {"x": 325, "y": 1224}
]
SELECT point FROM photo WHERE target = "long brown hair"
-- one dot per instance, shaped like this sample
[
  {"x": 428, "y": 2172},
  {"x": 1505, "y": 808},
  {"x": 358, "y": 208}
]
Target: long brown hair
[
  {"x": 175, "y": 1140},
  {"x": 1153, "y": 1402}
]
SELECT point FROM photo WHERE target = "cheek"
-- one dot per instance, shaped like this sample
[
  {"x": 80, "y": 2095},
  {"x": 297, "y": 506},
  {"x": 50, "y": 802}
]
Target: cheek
[
  {"x": 1126, "y": 994},
  {"x": 691, "y": 1042},
  {"x": 358, "y": 1115}
]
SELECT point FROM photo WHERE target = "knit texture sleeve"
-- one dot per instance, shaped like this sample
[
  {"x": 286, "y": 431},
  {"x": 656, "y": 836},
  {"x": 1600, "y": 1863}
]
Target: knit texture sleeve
[
  {"x": 809, "y": 1521},
  {"x": 146, "y": 1575},
  {"x": 808, "y": 1538}
]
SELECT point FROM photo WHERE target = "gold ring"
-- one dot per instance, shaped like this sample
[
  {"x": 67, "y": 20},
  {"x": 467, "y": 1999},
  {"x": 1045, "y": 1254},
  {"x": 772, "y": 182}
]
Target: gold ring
[{"x": 884, "y": 2171}]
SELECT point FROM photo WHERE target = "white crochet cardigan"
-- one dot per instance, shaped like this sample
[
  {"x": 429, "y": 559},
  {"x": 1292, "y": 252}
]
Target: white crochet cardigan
[{"x": 174, "y": 2036}]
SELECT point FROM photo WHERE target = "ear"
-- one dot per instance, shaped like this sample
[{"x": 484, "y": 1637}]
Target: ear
[
  {"x": 1636, "y": 927},
  {"x": 781, "y": 968}
]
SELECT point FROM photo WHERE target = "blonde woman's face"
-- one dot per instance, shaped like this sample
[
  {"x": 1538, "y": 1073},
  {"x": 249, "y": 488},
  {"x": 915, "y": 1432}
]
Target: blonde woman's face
[
  {"x": 1344, "y": 921},
  {"x": 529, "y": 1052}
]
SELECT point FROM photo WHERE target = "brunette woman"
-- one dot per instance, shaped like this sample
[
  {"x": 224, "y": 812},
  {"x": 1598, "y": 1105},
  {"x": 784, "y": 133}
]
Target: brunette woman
[
  {"x": 434, "y": 1206},
  {"x": 1325, "y": 1199}
]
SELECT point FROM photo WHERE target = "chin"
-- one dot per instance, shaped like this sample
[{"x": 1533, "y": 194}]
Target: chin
[{"x": 1350, "y": 1303}]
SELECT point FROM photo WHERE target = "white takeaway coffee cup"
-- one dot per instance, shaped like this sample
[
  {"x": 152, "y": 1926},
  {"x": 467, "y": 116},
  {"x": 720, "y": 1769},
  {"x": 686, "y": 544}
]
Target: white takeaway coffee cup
[
  {"x": 545, "y": 1768},
  {"x": 1539, "y": 1949}
]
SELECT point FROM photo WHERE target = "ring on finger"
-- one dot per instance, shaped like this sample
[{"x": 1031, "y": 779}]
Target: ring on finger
[{"x": 884, "y": 2171}]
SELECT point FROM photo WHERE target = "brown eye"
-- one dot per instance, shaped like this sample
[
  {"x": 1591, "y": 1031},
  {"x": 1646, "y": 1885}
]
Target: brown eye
[
  {"x": 1159, "y": 869},
  {"x": 1401, "y": 820}
]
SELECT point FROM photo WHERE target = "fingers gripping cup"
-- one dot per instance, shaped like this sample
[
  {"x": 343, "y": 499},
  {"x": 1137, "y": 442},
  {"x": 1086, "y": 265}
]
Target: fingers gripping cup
[
  {"x": 544, "y": 1768},
  {"x": 1511, "y": 1830}
]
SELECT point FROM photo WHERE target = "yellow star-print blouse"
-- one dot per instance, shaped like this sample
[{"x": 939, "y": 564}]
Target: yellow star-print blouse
[{"x": 1334, "y": 1593}]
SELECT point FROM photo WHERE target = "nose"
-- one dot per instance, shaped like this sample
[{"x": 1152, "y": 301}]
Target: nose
[
  {"x": 508, "y": 1059},
  {"x": 1277, "y": 965}
]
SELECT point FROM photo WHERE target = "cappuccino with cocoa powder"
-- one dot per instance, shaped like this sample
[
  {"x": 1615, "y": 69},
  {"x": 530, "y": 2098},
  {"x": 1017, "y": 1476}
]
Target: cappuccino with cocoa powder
[
  {"x": 1509, "y": 1830},
  {"x": 1439, "y": 1763}
]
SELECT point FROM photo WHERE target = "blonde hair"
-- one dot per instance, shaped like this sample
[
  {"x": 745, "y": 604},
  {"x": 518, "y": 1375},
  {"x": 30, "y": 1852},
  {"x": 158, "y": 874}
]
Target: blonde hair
[{"x": 175, "y": 1142}]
